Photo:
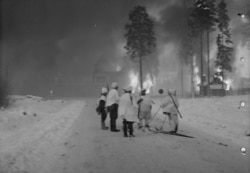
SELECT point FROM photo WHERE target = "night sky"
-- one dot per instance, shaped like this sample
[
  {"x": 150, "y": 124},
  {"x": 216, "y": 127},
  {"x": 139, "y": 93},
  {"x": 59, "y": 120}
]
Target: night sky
[{"x": 70, "y": 39}]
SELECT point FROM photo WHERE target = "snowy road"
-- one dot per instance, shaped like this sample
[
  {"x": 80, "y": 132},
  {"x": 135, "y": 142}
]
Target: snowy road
[{"x": 214, "y": 148}]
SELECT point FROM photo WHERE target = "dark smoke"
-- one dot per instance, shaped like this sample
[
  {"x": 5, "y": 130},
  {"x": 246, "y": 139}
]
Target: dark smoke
[{"x": 58, "y": 45}]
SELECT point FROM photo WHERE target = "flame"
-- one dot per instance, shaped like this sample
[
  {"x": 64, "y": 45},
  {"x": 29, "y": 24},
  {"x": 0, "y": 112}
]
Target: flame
[
  {"x": 218, "y": 69},
  {"x": 196, "y": 78},
  {"x": 135, "y": 83},
  {"x": 228, "y": 82},
  {"x": 148, "y": 83},
  {"x": 217, "y": 74},
  {"x": 134, "y": 80}
]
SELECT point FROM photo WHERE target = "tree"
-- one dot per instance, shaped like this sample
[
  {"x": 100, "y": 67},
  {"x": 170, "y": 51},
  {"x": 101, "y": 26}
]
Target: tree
[
  {"x": 203, "y": 19},
  {"x": 224, "y": 42},
  {"x": 187, "y": 41},
  {"x": 190, "y": 50},
  {"x": 140, "y": 36},
  {"x": 211, "y": 22}
]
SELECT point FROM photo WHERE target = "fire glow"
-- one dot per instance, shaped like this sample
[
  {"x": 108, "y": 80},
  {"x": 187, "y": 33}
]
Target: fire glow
[
  {"x": 196, "y": 78},
  {"x": 228, "y": 81},
  {"x": 134, "y": 82},
  {"x": 148, "y": 83}
]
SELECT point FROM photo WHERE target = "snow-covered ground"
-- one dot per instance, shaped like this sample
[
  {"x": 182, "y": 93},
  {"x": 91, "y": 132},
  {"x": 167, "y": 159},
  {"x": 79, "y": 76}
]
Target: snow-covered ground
[
  {"x": 32, "y": 131},
  {"x": 64, "y": 136}
]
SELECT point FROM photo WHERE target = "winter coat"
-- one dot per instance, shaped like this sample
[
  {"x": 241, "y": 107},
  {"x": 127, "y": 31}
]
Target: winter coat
[
  {"x": 101, "y": 103},
  {"x": 145, "y": 104},
  {"x": 168, "y": 105},
  {"x": 113, "y": 97},
  {"x": 127, "y": 109}
]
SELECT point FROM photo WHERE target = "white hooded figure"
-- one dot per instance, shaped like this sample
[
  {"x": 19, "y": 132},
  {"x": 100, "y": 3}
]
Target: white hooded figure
[
  {"x": 112, "y": 106},
  {"x": 145, "y": 103},
  {"x": 169, "y": 109},
  {"x": 101, "y": 107},
  {"x": 127, "y": 111}
]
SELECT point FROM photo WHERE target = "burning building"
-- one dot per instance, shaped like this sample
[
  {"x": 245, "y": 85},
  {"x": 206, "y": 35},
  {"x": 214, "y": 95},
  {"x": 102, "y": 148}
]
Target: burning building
[{"x": 147, "y": 84}]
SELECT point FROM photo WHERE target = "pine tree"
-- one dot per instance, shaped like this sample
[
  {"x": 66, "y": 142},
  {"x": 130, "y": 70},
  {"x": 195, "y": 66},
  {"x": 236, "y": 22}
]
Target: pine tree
[
  {"x": 210, "y": 26},
  {"x": 198, "y": 20},
  {"x": 190, "y": 47},
  {"x": 203, "y": 19},
  {"x": 224, "y": 42},
  {"x": 140, "y": 36}
]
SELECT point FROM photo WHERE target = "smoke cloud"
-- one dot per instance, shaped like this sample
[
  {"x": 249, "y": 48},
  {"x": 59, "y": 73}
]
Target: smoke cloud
[{"x": 65, "y": 42}]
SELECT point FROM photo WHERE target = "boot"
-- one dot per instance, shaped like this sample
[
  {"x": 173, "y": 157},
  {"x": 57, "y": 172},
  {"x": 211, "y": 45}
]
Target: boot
[
  {"x": 131, "y": 133},
  {"x": 176, "y": 129},
  {"x": 125, "y": 133},
  {"x": 103, "y": 126}
]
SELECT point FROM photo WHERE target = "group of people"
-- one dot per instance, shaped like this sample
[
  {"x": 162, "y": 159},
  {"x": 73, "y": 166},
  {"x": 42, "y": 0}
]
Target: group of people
[{"x": 131, "y": 109}]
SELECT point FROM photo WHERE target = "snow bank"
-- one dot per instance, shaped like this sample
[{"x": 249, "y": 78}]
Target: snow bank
[{"x": 31, "y": 131}]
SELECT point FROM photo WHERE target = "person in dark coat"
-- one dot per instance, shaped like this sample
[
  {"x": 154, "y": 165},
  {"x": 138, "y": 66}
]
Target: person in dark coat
[{"x": 102, "y": 107}]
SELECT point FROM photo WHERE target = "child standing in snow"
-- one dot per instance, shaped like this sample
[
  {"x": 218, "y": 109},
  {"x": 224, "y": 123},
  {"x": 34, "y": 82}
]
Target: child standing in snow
[
  {"x": 127, "y": 111},
  {"x": 101, "y": 107}
]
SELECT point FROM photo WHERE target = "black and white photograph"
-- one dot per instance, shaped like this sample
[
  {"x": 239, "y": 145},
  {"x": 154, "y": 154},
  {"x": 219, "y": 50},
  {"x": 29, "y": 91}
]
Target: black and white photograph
[{"x": 124, "y": 86}]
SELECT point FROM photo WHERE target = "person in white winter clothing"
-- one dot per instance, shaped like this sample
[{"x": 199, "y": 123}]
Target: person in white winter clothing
[
  {"x": 145, "y": 104},
  {"x": 127, "y": 111},
  {"x": 169, "y": 109},
  {"x": 112, "y": 106}
]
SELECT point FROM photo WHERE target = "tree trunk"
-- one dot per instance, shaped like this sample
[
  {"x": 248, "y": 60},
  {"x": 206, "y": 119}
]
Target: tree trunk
[
  {"x": 201, "y": 70},
  {"x": 141, "y": 80},
  {"x": 222, "y": 69},
  {"x": 139, "y": 107},
  {"x": 192, "y": 77},
  {"x": 222, "y": 82},
  {"x": 208, "y": 68}
]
